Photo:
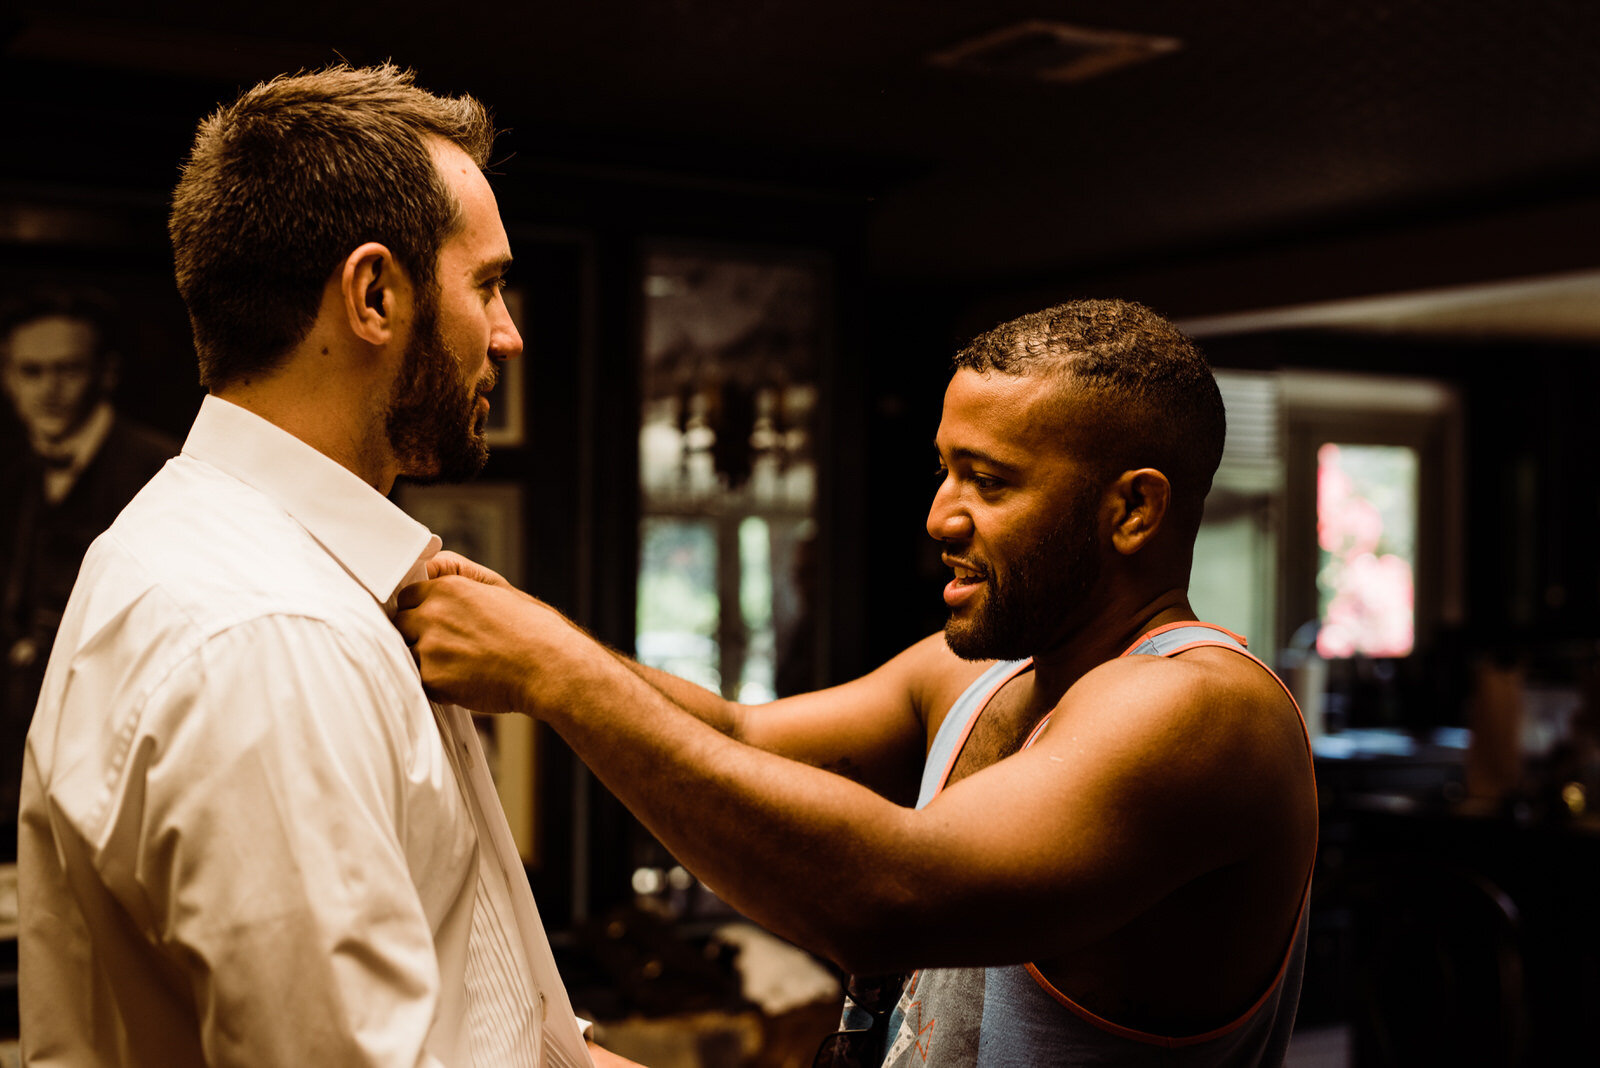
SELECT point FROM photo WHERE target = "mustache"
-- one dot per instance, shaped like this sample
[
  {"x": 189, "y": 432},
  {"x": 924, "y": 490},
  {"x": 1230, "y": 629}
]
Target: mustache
[{"x": 490, "y": 379}]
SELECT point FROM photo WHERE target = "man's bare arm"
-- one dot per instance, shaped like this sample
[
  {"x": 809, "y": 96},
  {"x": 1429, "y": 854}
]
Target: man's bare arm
[
  {"x": 871, "y": 729},
  {"x": 726, "y": 716},
  {"x": 1137, "y": 788}
]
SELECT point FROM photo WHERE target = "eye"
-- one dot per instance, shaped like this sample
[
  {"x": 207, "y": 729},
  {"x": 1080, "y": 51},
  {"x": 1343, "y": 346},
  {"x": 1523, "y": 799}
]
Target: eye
[{"x": 986, "y": 483}]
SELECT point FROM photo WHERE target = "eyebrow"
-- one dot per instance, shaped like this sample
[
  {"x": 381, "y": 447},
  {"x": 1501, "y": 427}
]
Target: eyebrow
[
  {"x": 977, "y": 456},
  {"x": 499, "y": 265}
]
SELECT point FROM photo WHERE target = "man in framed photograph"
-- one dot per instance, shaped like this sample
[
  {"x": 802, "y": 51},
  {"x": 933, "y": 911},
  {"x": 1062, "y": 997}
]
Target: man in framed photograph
[{"x": 78, "y": 463}]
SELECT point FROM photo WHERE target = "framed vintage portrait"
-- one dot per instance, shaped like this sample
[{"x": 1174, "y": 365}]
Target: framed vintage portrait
[
  {"x": 484, "y": 521},
  {"x": 505, "y": 428}
]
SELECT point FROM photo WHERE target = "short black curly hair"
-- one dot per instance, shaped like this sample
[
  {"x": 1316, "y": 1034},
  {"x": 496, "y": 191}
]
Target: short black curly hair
[{"x": 1154, "y": 392}]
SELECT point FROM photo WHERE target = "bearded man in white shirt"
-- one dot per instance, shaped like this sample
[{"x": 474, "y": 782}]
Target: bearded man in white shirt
[{"x": 246, "y": 837}]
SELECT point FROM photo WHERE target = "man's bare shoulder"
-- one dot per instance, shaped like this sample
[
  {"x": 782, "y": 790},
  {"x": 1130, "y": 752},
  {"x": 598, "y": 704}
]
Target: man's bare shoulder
[
  {"x": 1209, "y": 710},
  {"x": 1199, "y": 676}
]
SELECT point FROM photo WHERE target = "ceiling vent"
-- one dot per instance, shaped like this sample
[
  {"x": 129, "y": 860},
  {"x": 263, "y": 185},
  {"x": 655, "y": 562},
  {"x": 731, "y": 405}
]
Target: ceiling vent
[{"x": 1037, "y": 50}]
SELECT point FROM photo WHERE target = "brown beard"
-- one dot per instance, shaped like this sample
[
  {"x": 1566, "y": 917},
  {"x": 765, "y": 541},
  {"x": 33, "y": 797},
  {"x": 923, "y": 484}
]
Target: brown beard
[
  {"x": 432, "y": 419},
  {"x": 1024, "y": 607}
]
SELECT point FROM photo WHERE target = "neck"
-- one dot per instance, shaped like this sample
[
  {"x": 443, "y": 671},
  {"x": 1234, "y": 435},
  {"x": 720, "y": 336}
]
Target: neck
[
  {"x": 332, "y": 413},
  {"x": 1102, "y": 637}
]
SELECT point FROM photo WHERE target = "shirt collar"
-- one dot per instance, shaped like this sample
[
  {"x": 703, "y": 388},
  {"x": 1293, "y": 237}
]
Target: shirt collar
[{"x": 372, "y": 538}]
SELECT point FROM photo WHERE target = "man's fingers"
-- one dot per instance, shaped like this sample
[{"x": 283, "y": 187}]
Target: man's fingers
[
  {"x": 446, "y": 563},
  {"x": 407, "y": 625},
  {"x": 414, "y": 594},
  {"x": 450, "y": 563}
]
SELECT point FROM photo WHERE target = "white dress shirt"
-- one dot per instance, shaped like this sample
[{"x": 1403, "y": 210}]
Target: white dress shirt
[{"x": 246, "y": 836}]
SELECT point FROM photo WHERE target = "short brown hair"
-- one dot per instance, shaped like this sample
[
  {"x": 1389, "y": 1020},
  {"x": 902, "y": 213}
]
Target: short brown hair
[
  {"x": 1159, "y": 405},
  {"x": 286, "y": 181}
]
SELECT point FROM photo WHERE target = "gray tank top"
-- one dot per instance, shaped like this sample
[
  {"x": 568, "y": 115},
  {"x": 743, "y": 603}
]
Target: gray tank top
[{"x": 960, "y": 1017}]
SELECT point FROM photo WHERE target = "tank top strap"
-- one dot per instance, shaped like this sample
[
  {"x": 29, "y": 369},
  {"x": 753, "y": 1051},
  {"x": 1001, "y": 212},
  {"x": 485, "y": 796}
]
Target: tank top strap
[
  {"x": 1176, "y": 637},
  {"x": 1170, "y": 640},
  {"x": 958, "y": 723}
]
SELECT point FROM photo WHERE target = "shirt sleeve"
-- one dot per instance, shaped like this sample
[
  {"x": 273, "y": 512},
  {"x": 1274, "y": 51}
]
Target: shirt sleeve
[{"x": 269, "y": 851}]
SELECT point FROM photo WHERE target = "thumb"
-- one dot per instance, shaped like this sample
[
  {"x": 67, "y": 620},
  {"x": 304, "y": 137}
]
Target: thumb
[{"x": 449, "y": 563}]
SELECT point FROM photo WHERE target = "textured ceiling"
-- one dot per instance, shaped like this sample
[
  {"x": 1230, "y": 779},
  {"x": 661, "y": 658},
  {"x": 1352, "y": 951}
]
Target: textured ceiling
[{"x": 1270, "y": 118}]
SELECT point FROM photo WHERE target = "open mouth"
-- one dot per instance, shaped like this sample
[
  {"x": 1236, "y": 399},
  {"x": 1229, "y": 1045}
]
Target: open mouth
[
  {"x": 966, "y": 573},
  {"x": 968, "y": 576},
  {"x": 967, "y": 581}
]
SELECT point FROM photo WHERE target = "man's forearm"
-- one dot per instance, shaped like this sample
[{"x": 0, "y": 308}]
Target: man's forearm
[
  {"x": 793, "y": 847},
  {"x": 710, "y": 708}
]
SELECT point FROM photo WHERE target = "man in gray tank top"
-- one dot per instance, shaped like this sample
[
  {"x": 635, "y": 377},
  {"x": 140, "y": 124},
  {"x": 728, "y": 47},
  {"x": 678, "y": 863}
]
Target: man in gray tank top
[{"x": 1108, "y": 858}]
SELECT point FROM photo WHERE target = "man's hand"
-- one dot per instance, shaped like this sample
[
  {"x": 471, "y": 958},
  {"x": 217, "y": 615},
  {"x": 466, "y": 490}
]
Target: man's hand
[
  {"x": 477, "y": 638},
  {"x": 449, "y": 563}
]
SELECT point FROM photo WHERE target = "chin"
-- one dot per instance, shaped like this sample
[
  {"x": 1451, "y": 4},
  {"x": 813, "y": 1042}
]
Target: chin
[
  {"x": 50, "y": 428},
  {"x": 462, "y": 463},
  {"x": 977, "y": 635},
  {"x": 968, "y": 641}
]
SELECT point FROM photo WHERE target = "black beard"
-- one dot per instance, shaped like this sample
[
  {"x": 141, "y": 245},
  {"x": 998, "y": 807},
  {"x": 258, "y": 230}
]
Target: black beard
[
  {"x": 432, "y": 421},
  {"x": 1025, "y": 608}
]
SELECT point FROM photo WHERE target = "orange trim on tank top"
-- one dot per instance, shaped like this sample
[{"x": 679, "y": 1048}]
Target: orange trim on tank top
[
  {"x": 1180, "y": 1041},
  {"x": 1147, "y": 635},
  {"x": 972, "y": 721},
  {"x": 1167, "y": 1041}
]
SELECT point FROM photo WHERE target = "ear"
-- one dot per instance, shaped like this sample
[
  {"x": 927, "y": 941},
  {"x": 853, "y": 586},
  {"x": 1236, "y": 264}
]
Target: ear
[
  {"x": 372, "y": 285},
  {"x": 1142, "y": 498}
]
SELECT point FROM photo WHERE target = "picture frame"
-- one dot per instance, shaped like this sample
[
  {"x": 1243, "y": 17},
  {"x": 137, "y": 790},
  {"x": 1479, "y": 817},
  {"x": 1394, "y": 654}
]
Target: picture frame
[{"x": 483, "y": 521}]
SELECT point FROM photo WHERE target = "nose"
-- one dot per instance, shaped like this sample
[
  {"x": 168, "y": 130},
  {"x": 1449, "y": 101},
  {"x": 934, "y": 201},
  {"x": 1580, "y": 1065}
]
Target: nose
[
  {"x": 61, "y": 382},
  {"x": 505, "y": 343},
  {"x": 947, "y": 519}
]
